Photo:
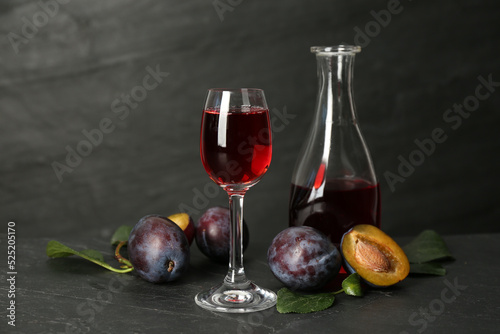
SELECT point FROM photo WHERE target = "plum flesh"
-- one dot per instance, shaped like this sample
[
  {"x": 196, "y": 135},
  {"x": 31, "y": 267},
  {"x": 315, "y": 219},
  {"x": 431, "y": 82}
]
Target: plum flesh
[
  {"x": 303, "y": 258},
  {"x": 158, "y": 249}
]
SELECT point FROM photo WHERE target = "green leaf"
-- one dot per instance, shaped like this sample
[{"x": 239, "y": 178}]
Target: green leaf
[
  {"x": 121, "y": 234},
  {"x": 429, "y": 268},
  {"x": 289, "y": 301},
  {"x": 92, "y": 253},
  {"x": 57, "y": 249},
  {"x": 352, "y": 285},
  {"x": 427, "y": 246}
]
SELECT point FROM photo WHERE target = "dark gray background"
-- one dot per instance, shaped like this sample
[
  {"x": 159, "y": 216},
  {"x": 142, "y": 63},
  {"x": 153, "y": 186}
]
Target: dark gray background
[{"x": 64, "y": 78}]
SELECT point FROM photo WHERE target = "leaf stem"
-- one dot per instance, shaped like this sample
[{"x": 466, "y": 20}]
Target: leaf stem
[
  {"x": 107, "y": 266},
  {"x": 120, "y": 258}
]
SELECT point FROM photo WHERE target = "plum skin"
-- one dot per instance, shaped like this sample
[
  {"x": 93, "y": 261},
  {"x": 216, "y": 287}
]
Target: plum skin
[
  {"x": 213, "y": 231},
  {"x": 158, "y": 249},
  {"x": 303, "y": 258}
]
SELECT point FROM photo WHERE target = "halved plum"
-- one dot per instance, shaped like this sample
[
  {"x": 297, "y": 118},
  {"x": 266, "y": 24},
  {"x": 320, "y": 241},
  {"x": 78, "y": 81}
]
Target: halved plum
[
  {"x": 185, "y": 222},
  {"x": 375, "y": 256}
]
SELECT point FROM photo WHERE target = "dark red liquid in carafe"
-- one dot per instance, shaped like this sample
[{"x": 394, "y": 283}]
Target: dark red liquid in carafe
[{"x": 336, "y": 206}]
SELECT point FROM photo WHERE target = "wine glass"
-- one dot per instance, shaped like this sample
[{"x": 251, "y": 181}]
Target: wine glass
[{"x": 235, "y": 147}]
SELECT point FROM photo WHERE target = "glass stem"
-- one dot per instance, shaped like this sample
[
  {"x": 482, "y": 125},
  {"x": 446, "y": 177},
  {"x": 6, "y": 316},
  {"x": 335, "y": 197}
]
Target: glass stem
[{"x": 236, "y": 274}]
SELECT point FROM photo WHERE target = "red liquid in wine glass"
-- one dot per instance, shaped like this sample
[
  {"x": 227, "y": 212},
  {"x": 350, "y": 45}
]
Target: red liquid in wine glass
[
  {"x": 342, "y": 204},
  {"x": 235, "y": 146}
]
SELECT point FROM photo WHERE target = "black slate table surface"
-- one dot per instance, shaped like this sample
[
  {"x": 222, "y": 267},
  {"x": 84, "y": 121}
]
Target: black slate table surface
[{"x": 70, "y": 295}]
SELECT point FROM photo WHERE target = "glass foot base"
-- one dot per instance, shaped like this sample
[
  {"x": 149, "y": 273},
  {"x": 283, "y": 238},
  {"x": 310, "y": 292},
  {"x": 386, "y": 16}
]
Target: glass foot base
[{"x": 224, "y": 298}]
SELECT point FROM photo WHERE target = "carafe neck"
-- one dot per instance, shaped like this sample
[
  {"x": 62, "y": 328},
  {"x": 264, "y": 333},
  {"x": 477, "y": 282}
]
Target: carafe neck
[{"x": 335, "y": 71}]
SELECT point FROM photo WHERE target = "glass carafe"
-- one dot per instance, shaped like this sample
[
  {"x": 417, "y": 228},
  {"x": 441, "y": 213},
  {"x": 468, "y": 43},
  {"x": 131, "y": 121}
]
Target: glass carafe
[{"x": 334, "y": 185}]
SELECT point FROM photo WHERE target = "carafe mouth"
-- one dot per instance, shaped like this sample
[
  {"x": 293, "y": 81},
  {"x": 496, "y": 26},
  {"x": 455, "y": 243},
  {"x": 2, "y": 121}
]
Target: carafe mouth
[{"x": 336, "y": 49}]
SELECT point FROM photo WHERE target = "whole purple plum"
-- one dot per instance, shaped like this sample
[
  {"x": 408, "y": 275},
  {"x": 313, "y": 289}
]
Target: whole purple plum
[
  {"x": 303, "y": 258},
  {"x": 212, "y": 233},
  {"x": 158, "y": 249}
]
